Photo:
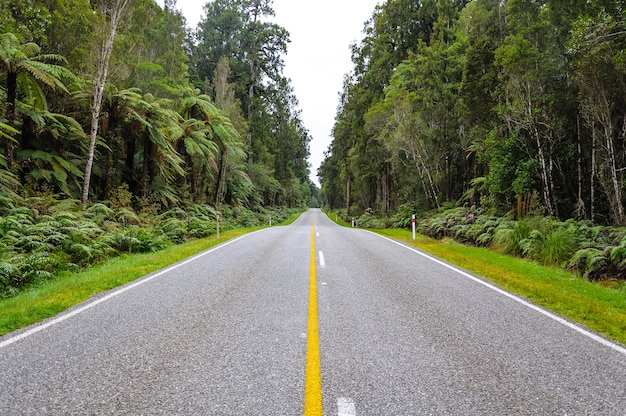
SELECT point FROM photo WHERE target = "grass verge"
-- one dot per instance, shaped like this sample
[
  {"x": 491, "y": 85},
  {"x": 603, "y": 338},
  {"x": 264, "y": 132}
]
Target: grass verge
[
  {"x": 599, "y": 308},
  {"x": 53, "y": 297}
]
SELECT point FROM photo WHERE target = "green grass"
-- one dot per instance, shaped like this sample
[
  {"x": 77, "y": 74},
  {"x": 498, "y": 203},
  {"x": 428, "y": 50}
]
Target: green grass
[
  {"x": 599, "y": 308},
  {"x": 337, "y": 218},
  {"x": 52, "y": 297}
]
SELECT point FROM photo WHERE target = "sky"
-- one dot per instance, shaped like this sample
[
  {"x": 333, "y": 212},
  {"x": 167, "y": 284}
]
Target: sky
[{"x": 318, "y": 57}]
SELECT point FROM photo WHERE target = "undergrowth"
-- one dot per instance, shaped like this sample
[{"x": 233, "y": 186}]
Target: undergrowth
[
  {"x": 595, "y": 252},
  {"x": 42, "y": 239}
]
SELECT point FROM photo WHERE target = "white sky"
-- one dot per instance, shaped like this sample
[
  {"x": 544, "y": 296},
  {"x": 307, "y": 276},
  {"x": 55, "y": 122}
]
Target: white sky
[{"x": 317, "y": 58}]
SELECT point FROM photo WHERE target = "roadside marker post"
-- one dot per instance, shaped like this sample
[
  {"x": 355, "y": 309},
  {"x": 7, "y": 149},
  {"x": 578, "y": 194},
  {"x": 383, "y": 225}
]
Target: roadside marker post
[
  {"x": 218, "y": 226},
  {"x": 413, "y": 225}
]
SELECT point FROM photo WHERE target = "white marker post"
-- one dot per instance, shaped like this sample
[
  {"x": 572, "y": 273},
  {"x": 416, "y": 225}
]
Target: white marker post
[
  {"x": 413, "y": 225},
  {"x": 218, "y": 226}
]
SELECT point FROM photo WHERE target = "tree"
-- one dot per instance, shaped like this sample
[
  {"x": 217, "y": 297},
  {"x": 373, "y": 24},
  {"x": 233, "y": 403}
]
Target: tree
[
  {"x": 70, "y": 30},
  {"x": 231, "y": 149},
  {"x": 26, "y": 71},
  {"x": 600, "y": 75},
  {"x": 153, "y": 50},
  {"x": 234, "y": 29},
  {"x": 222, "y": 134},
  {"x": 28, "y": 20},
  {"x": 111, "y": 14},
  {"x": 416, "y": 40}
]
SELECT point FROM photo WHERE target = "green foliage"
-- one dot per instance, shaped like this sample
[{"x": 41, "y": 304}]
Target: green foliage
[
  {"x": 42, "y": 243},
  {"x": 595, "y": 252},
  {"x": 588, "y": 261},
  {"x": 160, "y": 137},
  {"x": 485, "y": 102}
]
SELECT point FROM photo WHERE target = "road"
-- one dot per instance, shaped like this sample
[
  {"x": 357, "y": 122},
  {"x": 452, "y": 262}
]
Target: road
[{"x": 230, "y": 332}]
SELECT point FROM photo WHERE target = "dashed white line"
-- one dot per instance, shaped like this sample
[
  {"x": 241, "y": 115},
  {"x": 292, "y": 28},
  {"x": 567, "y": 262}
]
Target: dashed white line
[
  {"x": 345, "y": 407},
  {"x": 322, "y": 261}
]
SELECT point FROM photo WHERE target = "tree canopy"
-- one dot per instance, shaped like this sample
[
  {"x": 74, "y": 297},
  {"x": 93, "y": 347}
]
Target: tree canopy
[
  {"x": 510, "y": 105},
  {"x": 176, "y": 115}
]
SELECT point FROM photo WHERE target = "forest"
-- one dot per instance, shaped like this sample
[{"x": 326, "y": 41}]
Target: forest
[
  {"x": 512, "y": 106},
  {"x": 123, "y": 130},
  {"x": 499, "y": 123}
]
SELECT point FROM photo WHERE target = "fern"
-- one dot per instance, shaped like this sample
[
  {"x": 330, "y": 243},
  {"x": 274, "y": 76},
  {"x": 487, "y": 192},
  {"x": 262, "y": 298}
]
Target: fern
[
  {"x": 65, "y": 206},
  {"x": 173, "y": 213},
  {"x": 66, "y": 219},
  {"x": 9, "y": 275},
  {"x": 588, "y": 261},
  {"x": 81, "y": 254},
  {"x": 100, "y": 212},
  {"x": 200, "y": 228},
  {"x": 33, "y": 243},
  {"x": 204, "y": 210},
  {"x": 484, "y": 239},
  {"x": 125, "y": 243},
  {"x": 175, "y": 229},
  {"x": 127, "y": 217}
]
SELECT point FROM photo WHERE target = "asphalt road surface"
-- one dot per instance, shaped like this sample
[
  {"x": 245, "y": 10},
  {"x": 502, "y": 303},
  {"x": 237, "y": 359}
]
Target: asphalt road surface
[{"x": 228, "y": 333}]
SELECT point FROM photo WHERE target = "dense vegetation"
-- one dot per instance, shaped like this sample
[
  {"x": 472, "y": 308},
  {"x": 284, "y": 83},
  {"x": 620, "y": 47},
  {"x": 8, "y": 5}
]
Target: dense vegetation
[
  {"x": 513, "y": 111},
  {"x": 45, "y": 239},
  {"x": 123, "y": 130},
  {"x": 509, "y": 106}
]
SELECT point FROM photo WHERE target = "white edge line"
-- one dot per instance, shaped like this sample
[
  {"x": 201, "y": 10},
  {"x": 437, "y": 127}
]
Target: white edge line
[
  {"x": 114, "y": 293},
  {"x": 532, "y": 306}
]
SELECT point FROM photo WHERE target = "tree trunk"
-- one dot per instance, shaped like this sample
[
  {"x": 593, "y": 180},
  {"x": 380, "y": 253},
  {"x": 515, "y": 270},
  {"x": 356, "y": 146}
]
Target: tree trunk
[
  {"x": 617, "y": 189},
  {"x": 12, "y": 116},
  {"x": 580, "y": 204},
  {"x": 348, "y": 192},
  {"x": 250, "y": 98},
  {"x": 149, "y": 155},
  {"x": 253, "y": 58},
  {"x": 220, "y": 189},
  {"x": 594, "y": 168},
  {"x": 116, "y": 11}
]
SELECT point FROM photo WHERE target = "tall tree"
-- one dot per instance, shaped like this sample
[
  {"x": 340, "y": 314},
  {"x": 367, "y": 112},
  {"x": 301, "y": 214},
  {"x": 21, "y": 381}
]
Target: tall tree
[
  {"x": 601, "y": 76},
  {"x": 112, "y": 12},
  {"x": 28, "y": 20},
  {"x": 231, "y": 148},
  {"x": 236, "y": 29}
]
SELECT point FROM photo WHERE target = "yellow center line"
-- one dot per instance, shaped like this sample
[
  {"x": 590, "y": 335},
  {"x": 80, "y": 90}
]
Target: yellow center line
[{"x": 313, "y": 379}]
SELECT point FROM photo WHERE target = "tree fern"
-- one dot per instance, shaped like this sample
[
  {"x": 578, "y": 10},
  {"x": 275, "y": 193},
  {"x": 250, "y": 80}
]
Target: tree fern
[{"x": 51, "y": 168}]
